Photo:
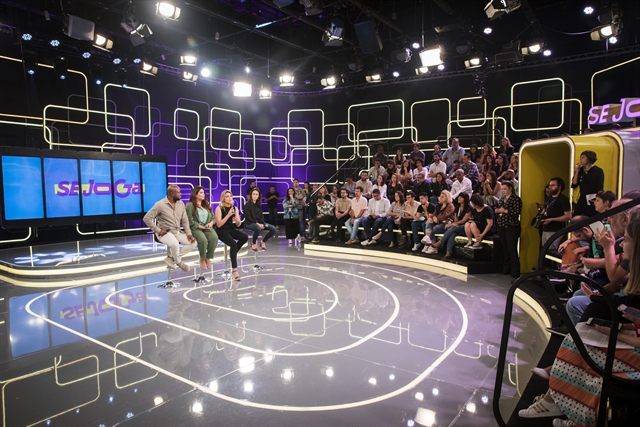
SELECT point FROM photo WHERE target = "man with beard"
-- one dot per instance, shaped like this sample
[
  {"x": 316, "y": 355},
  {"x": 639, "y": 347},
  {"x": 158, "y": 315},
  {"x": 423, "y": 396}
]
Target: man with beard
[
  {"x": 557, "y": 209},
  {"x": 164, "y": 219}
]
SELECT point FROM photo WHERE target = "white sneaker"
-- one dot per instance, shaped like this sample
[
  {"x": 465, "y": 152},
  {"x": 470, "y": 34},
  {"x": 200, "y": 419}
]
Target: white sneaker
[
  {"x": 426, "y": 240},
  {"x": 541, "y": 409},
  {"x": 563, "y": 423},
  {"x": 425, "y": 249},
  {"x": 372, "y": 242},
  {"x": 468, "y": 245},
  {"x": 431, "y": 250},
  {"x": 364, "y": 242},
  {"x": 416, "y": 247},
  {"x": 477, "y": 245}
]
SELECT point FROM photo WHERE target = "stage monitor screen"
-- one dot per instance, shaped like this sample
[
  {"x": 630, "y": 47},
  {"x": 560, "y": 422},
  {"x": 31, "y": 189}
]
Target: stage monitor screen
[
  {"x": 126, "y": 186},
  {"x": 154, "y": 183},
  {"x": 22, "y": 188},
  {"x": 96, "y": 187},
  {"x": 62, "y": 187}
]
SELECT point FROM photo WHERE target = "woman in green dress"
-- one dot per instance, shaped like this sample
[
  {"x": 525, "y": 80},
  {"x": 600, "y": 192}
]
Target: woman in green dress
[{"x": 201, "y": 221}]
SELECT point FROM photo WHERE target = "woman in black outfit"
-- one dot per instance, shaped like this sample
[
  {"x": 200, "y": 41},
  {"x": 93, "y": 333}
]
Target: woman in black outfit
[
  {"x": 506, "y": 148},
  {"x": 590, "y": 179},
  {"x": 439, "y": 184},
  {"x": 474, "y": 154},
  {"x": 254, "y": 220},
  {"x": 508, "y": 213},
  {"x": 227, "y": 223},
  {"x": 394, "y": 186}
]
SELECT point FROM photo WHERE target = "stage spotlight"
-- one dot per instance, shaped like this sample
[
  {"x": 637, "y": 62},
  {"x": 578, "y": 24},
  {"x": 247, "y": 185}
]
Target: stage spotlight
[
  {"x": 474, "y": 62},
  {"x": 241, "y": 89},
  {"x": 86, "y": 55},
  {"x": 547, "y": 52},
  {"x": 117, "y": 61},
  {"x": 95, "y": 72},
  {"x": 488, "y": 30},
  {"x": 27, "y": 37},
  {"x": 396, "y": 74},
  {"x": 402, "y": 55},
  {"x": 312, "y": 7},
  {"x": 334, "y": 34},
  {"x": 121, "y": 76},
  {"x": 29, "y": 60},
  {"x": 265, "y": 93},
  {"x": 60, "y": 67},
  {"x": 102, "y": 42},
  {"x": 425, "y": 417},
  {"x": 605, "y": 32},
  {"x": 422, "y": 70},
  {"x": 329, "y": 82},
  {"x": 188, "y": 76},
  {"x": 588, "y": 10},
  {"x": 613, "y": 40},
  {"x": 167, "y": 10},
  {"x": 532, "y": 49},
  {"x": 441, "y": 67},
  {"x": 329, "y": 372},
  {"x": 148, "y": 67},
  {"x": 419, "y": 395},
  {"x": 138, "y": 32},
  {"x": 189, "y": 58},
  {"x": 197, "y": 408},
  {"x": 137, "y": 61},
  {"x": 374, "y": 77},
  {"x": 205, "y": 72},
  {"x": 496, "y": 8},
  {"x": 287, "y": 374},
  {"x": 54, "y": 43},
  {"x": 416, "y": 45},
  {"x": 431, "y": 57},
  {"x": 286, "y": 79}
]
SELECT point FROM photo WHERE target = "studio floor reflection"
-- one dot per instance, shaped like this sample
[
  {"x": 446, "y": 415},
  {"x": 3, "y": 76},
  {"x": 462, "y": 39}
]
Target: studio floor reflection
[{"x": 304, "y": 341}]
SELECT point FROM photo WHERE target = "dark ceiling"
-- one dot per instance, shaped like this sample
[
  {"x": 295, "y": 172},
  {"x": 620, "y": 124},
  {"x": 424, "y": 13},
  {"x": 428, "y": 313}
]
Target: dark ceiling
[{"x": 228, "y": 34}]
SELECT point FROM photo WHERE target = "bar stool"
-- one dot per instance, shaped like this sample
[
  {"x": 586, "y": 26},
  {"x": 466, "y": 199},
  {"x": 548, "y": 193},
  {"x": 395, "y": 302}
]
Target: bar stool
[
  {"x": 198, "y": 276},
  {"x": 256, "y": 267},
  {"x": 169, "y": 284},
  {"x": 226, "y": 273}
]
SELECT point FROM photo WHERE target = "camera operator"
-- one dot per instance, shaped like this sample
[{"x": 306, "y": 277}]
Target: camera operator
[{"x": 557, "y": 211}]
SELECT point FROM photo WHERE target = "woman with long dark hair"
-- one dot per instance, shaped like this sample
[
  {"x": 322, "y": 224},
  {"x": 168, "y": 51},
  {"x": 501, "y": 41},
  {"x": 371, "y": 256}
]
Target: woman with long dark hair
[
  {"x": 254, "y": 220},
  {"x": 394, "y": 186},
  {"x": 487, "y": 151},
  {"x": 506, "y": 148},
  {"x": 227, "y": 222},
  {"x": 201, "y": 222},
  {"x": 291, "y": 223},
  {"x": 474, "y": 154},
  {"x": 438, "y": 185},
  {"x": 491, "y": 191},
  {"x": 502, "y": 164},
  {"x": 393, "y": 217},
  {"x": 490, "y": 165}
]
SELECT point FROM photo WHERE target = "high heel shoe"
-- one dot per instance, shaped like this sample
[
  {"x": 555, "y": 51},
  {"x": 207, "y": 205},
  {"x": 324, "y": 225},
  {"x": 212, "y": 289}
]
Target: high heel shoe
[
  {"x": 263, "y": 246},
  {"x": 235, "y": 276},
  {"x": 254, "y": 247}
]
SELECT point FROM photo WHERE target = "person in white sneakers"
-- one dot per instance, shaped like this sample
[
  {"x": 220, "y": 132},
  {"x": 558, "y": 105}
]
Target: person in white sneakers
[
  {"x": 164, "y": 219},
  {"x": 358, "y": 214},
  {"x": 480, "y": 224},
  {"x": 420, "y": 219},
  {"x": 378, "y": 208}
]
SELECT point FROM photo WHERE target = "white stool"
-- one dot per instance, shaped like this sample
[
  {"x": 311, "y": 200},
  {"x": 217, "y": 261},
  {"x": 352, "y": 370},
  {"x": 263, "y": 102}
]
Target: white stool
[{"x": 226, "y": 273}]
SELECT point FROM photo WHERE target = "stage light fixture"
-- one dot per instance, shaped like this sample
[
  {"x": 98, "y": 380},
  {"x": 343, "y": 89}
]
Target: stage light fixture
[
  {"x": 205, "y": 72},
  {"x": 189, "y": 58},
  {"x": 532, "y": 49},
  {"x": 60, "y": 67},
  {"x": 138, "y": 31},
  {"x": 241, "y": 89},
  {"x": 55, "y": 43},
  {"x": 117, "y": 61},
  {"x": 496, "y": 8},
  {"x": 287, "y": 374},
  {"x": 286, "y": 79},
  {"x": 613, "y": 40},
  {"x": 167, "y": 10},
  {"x": 488, "y": 30},
  {"x": 30, "y": 64},
  {"x": 374, "y": 77},
  {"x": 265, "y": 93},
  {"x": 401, "y": 55},
  {"x": 247, "y": 69},
  {"x": 188, "y": 76},
  {"x": 431, "y": 57},
  {"x": 329, "y": 82},
  {"x": 312, "y": 7},
  {"x": 422, "y": 70},
  {"x": 588, "y": 10},
  {"x": 197, "y": 408},
  {"x": 441, "y": 67},
  {"x": 547, "y": 52},
  {"x": 474, "y": 62},
  {"x": 425, "y": 417},
  {"x": 95, "y": 72},
  {"x": 148, "y": 67},
  {"x": 27, "y": 37},
  {"x": 334, "y": 34},
  {"x": 605, "y": 32},
  {"x": 396, "y": 74},
  {"x": 86, "y": 55},
  {"x": 416, "y": 45},
  {"x": 137, "y": 60},
  {"x": 102, "y": 42}
]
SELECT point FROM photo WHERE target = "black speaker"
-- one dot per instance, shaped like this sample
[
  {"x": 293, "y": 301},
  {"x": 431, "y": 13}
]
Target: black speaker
[{"x": 368, "y": 36}]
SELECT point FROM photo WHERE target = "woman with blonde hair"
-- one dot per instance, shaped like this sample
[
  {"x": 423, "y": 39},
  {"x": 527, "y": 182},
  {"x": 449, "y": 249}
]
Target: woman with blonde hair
[
  {"x": 227, "y": 223},
  {"x": 443, "y": 214}
]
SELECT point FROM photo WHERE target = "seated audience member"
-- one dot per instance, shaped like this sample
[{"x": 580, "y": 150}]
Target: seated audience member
[
  {"x": 390, "y": 170},
  {"x": 290, "y": 215},
  {"x": 469, "y": 168},
  {"x": 491, "y": 191},
  {"x": 377, "y": 210},
  {"x": 376, "y": 169},
  {"x": 381, "y": 186},
  {"x": 394, "y": 186},
  {"x": 416, "y": 154},
  {"x": 405, "y": 175},
  {"x": 439, "y": 184},
  {"x": 350, "y": 187},
  {"x": 490, "y": 165},
  {"x": 310, "y": 201},
  {"x": 366, "y": 185},
  {"x": 437, "y": 167},
  {"x": 201, "y": 222},
  {"x": 438, "y": 151},
  {"x": 164, "y": 219},
  {"x": 254, "y": 220},
  {"x": 508, "y": 212},
  {"x": 421, "y": 186},
  {"x": 557, "y": 210},
  {"x": 272, "y": 198},
  {"x": 342, "y": 214},
  {"x": 509, "y": 175},
  {"x": 380, "y": 155},
  {"x": 453, "y": 229},
  {"x": 443, "y": 214},
  {"x": 487, "y": 151},
  {"x": 399, "y": 157},
  {"x": 335, "y": 193},
  {"x": 358, "y": 214},
  {"x": 502, "y": 163},
  {"x": 479, "y": 186},
  {"x": 453, "y": 153},
  {"x": 409, "y": 210},
  {"x": 452, "y": 171},
  {"x": 474, "y": 153},
  {"x": 419, "y": 170},
  {"x": 461, "y": 184},
  {"x": 227, "y": 223},
  {"x": 393, "y": 217},
  {"x": 513, "y": 163},
  {"x": 506, "y": 148},
  {"x": 590, "y": 179},
  {"x": 324, "y": 217},
  {"x": 420, "y": 219},
  {"x": 480, "y": 224},
  {"x": 603, "y": 201},
  {"x": 574, "y": 388}
]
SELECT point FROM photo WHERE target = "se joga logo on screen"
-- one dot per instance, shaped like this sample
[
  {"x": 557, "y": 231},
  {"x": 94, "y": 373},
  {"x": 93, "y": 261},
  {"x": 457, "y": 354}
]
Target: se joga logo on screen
[{"x": 122, "y": 188}]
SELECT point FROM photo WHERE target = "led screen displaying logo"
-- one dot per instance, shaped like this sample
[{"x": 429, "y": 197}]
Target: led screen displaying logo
[
  {"x": 95, "y": 176},
  {"x": 61, "y": 187},
  {"x": 126, "y": 185},
  {"x": 22, "y": 187},
  {"x": 154, "y": 182}
]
